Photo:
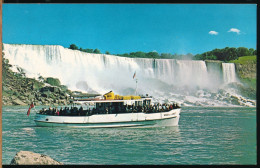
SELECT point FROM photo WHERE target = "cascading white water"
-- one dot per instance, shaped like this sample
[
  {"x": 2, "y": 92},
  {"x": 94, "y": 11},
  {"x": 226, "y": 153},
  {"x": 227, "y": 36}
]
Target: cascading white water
[
  {"x": 102, "y": 73},
  {"x": 165, "y": 70},
  {"x": 229, "y": 72},
  {"x": 215, "y": 75},
  {"x": 192, "y": 73}
]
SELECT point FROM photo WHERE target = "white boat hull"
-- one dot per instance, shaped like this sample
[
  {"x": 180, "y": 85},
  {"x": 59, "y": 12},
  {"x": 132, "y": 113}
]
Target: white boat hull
[{"x": 170, "y": 118}]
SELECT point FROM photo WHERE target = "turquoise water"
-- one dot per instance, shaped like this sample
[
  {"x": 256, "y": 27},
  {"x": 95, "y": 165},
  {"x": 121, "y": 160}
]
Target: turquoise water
[{"x": 204, "y": 136}]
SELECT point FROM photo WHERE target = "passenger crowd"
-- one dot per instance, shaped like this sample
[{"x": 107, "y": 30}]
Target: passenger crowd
[{"x": 75, "y": 111}]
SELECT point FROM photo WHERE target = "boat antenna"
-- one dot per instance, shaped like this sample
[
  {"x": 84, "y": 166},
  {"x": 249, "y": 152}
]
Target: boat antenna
[{"x": 136, "y": 86}]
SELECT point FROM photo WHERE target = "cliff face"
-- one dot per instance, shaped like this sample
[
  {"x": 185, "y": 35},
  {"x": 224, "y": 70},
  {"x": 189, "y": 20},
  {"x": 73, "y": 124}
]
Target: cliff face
[{"x": 247, "y": 70}]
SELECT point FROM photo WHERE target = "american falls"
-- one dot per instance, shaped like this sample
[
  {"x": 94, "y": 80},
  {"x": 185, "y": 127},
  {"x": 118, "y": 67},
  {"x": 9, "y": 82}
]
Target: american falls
[{"x": 187, "y": 82}]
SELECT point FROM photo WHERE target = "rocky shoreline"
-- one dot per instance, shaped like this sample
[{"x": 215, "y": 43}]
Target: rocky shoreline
[{"x": 20, "y": 90}]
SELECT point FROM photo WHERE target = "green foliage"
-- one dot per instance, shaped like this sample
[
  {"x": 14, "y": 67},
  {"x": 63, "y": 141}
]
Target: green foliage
[
  {"x": 251, "y": 51},
  {"x": 53, "y": 81},
  {"x": 242, "y": 51},
  {"x": 63, "y": 87},
  {"x": 124, "y": 55},
  {"x": 21, "y": 72},
  {"x": 244, "y": 60},
  {"x": 107, "y": 52},
  {"x": 138, "y": 54},
  {"x": 166, "y": 55},
  {"x": 37, "y": 85},
  {"x": 73, "y": 47},
  {"x": 97, "y": 51},
  {"x": 88, "y": 50},
  {"x": 225, "y": 54},
  {"x": 249, "y": 81},
  {"x": 41, "y": 79},
  {"x": 152, "y": 55}
]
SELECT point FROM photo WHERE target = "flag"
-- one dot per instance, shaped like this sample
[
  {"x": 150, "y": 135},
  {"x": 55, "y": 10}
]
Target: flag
[
  {"x": 134, "y": 75},
  {"x": 31, "y": 106}
]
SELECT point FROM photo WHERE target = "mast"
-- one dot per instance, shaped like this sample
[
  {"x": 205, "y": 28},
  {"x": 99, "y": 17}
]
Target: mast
[
  {"x": 134, "y": 77},
  {"x": 136, "y": 86}
]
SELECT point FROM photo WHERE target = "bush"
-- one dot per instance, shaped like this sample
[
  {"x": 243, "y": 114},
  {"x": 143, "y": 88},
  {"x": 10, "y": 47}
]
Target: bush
[
  {"x": 53, "y": 81},
  {"x": 73, "y": 47}
]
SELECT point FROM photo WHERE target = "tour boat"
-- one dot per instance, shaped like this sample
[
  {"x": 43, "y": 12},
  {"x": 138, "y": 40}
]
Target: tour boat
[{"x": 111, "y": 111}]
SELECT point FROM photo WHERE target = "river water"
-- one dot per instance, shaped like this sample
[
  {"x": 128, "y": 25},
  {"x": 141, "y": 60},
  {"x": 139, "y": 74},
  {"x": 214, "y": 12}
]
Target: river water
[{"x": 205, "y": 136}]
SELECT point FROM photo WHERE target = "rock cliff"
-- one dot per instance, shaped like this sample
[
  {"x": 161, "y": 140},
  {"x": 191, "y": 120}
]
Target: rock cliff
[
  {"x": 20, "y": 90},
  {"x": 246, "y": 70}
]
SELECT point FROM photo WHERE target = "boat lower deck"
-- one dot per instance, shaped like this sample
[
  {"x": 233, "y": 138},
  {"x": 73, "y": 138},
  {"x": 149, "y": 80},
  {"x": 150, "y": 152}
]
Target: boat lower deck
[{"x": 110, "y": 120}]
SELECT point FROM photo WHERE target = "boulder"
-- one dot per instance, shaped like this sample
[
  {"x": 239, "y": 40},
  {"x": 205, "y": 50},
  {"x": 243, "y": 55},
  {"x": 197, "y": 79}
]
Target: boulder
[
  {"x": 18, "y": 102},
  {"x": 30, "y": 158},
  {"x": 45, "y": 94}
]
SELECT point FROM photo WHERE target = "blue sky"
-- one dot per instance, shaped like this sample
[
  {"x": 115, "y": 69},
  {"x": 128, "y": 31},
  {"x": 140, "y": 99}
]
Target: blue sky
[{"x": 124, "y": 28}]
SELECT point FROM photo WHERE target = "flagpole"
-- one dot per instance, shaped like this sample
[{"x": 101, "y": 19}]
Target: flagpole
[
  {"x": 135, "y": 83},
  {"x": 136, "y": 86}
]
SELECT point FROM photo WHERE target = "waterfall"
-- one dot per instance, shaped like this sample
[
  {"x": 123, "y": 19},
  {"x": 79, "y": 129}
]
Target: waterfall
[
  {"x": 215, "y": 74},
  {"x": 229, "y": 72},
  {"x": 192, "y": 73},
  {"x": 165, "y": 70},
  {"x": 101, "y": 73}
]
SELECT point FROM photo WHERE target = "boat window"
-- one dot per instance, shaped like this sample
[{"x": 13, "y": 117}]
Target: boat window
[{"x": 147, "y": 102}]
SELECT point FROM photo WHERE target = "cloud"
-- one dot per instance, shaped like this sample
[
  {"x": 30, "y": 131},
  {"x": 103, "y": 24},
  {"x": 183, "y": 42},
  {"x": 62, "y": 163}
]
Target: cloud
[
  {"x": 234, "y": 30},
  {"x": 213, "y": 32}
]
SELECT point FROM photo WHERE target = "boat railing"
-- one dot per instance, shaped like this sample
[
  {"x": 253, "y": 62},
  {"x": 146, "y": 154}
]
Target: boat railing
[{"x": 75, "y": 111}]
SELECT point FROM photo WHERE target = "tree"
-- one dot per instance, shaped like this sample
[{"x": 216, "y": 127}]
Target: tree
[
  {"x": 166, "y": 55},
  {"x": 251, "y": 51},
  {"x": 73, "y": 47},
  {"x": 107, "y": 52},
  {"x": 88, "y": 50},
  {"x": 152, "y": 54},
  {"x": 53, "y": 81},
  {"x": 231, "y": 54},
  {"x": 138, "y": 54},
  {"x": 242, "y": 51},
  {"x": 97, "y": 51},
  {"x": 198, "y": 57},
  {"x": 125, "y": 55}
]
